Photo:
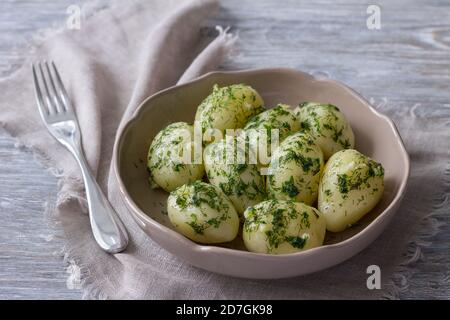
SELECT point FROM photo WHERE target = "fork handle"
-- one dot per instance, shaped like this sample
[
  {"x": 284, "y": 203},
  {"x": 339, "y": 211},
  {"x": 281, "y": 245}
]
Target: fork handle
[{"x": 108, "y": 229}]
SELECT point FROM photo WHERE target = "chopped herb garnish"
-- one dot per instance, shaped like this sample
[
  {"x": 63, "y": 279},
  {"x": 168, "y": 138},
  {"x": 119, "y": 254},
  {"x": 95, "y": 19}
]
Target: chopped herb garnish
[
  {"x": 280, "y": 216},
  {"x": 343, "y": 183},
  {"x": 178, "y": 166},
  {"x": 358, "y": 178},
  {"x": 198, "y": 194},
  {"x": 289, "y": 188},
  {"x": 297, "y": 242},
  {"x": 198, "y": 228}
]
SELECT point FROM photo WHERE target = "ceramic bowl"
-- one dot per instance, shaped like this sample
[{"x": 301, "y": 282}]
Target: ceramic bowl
[{"x": 376, "y": 136}]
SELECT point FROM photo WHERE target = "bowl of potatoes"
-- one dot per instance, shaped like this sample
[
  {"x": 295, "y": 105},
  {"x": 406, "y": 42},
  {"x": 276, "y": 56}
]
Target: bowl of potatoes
[{"x": 264, "y": 174}]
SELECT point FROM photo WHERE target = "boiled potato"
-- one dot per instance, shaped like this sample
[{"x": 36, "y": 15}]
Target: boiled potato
[
  {"x": 351, "y": 185},
  {"x": 229, "y": 107},
  {"x": 278, "y": 227},
  {"x": 281, "y": 118},
  {"x": 295, "y": 169},
  {"x": 239, "y": 180},
  {"x": 166, "y": 165},
  {"x": 201, "y": 212},
  {"x": 327, "y": 126}
]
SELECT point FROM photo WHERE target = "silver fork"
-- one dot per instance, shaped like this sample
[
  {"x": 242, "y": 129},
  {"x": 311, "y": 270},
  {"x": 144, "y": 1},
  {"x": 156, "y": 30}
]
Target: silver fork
[{"x": 60, "y": 119}]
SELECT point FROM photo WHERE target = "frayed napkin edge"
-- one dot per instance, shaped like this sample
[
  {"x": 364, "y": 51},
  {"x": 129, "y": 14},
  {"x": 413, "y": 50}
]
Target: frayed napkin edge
[
  {"x": 399, "y": 281},
  {"x": 79, "y": 277},
  {"x": 223, "y": 47}
]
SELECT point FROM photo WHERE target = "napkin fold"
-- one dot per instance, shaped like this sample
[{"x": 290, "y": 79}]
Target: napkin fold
[{"x": 120, "y": 56}]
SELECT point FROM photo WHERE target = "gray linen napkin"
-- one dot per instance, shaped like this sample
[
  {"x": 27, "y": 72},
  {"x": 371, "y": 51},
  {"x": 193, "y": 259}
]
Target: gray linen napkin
[{"x": 120, "y": 56}]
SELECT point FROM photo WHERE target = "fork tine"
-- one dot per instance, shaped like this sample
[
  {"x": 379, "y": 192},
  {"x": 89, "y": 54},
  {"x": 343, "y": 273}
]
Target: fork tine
[
  {"x": 51, "y": 108},
  {"x": 37, "y": 90},
  {"x": 57, "y": 101},
  {"x": 62, "y": 90}
]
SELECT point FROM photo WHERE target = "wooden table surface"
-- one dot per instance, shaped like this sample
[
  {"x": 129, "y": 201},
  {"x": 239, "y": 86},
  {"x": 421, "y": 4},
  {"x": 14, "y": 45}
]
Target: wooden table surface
[{"x": 408, "y": 58}]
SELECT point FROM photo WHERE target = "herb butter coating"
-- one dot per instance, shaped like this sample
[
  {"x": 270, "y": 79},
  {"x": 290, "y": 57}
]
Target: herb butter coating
[
  {"x": 327, "y": 125},
  {"x": 281, "y": 118},
  {"x": 240, "y": 181},
  {"x": 351, "y": 185},
  {"x": 279, "y": 227},
  {"x": 229, "y": 107},
  {"x": 202, "y": 213},
  {"x": 167, "y": 169},
  {"x": 295, "y": 170}
]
